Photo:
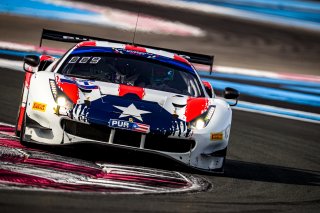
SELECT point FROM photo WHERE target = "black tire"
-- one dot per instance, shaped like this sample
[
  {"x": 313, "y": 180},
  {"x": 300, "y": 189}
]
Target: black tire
[
  {"x": 22, "y": 132},
  {"x": 16, "y": 131}
]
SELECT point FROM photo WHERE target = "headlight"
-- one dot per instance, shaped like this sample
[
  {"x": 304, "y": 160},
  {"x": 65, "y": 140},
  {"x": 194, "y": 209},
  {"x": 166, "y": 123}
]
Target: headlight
[
  {"x": 64, "y": 105},
  {"x": 202, "y": 121},
  {"x": 61, "y": 101},
  {"x": 200, "y": 124}
]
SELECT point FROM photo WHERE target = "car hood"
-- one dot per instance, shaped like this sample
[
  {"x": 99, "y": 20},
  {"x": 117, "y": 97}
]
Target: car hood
[{"x": 112, "y": 104}]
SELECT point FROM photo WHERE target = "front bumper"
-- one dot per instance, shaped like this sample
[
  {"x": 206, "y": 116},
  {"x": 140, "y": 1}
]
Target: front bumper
[
  {"x": 193, "y": 152},
  {"x": 198, "y": 151}
]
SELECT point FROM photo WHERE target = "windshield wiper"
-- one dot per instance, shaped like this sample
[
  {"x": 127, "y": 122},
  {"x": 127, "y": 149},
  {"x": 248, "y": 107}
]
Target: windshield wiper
[{"x": 82, "y": 76}]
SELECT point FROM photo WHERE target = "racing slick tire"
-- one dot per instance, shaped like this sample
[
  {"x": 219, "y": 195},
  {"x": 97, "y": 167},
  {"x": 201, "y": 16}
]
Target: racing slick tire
[
  {"x": 22, "y": 132},
  {"x": 16, "y": 131}
]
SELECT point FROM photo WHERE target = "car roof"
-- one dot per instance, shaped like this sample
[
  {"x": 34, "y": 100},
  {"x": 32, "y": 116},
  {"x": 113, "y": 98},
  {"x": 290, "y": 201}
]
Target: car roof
[{"x": 159, "y": 55}]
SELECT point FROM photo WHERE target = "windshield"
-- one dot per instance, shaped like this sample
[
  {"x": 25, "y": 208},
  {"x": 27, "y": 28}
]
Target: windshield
[{"x": 131, "y": 70}]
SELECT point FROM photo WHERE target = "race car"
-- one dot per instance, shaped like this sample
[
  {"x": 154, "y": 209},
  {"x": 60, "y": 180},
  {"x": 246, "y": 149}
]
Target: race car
[{"x": 129, "y": 96}]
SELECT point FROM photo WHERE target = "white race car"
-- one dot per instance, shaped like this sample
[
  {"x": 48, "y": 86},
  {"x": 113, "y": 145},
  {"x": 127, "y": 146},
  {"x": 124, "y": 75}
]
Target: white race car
[{"x": 128, "y": 96}]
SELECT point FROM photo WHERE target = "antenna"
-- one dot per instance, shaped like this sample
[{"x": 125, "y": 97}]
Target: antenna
[
  {"x": 135, "y": 29},
  {"x": 41, "y": 39}
]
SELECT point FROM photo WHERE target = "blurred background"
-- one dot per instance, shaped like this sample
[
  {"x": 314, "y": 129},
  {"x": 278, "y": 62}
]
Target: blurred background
[
  {"x": 282, "y": 35},
  {"x": 269, "y": 50}
]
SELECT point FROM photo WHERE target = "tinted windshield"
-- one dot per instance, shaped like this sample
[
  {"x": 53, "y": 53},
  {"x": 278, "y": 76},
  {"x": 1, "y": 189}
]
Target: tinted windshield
[{"x": 131, "y": 70}]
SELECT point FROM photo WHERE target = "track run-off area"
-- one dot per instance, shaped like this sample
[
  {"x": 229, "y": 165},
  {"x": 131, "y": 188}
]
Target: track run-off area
[{"x": 32, "y": 169}]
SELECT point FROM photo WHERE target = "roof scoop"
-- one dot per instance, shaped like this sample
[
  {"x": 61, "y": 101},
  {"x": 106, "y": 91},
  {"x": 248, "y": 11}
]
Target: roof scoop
[{"x": 179, "y": 101}]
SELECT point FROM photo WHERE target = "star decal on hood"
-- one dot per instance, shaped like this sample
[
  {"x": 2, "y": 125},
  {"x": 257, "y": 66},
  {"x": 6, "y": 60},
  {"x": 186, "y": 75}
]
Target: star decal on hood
[{"x": 131, "y": 110}]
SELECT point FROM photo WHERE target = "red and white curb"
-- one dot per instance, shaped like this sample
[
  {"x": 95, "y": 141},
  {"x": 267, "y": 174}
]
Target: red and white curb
[{"x": 34, "y": 169}]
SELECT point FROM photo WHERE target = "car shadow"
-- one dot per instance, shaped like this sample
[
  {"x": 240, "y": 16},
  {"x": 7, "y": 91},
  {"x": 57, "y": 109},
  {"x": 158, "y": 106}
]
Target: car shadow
[
  {"x": 271, "y": 173},
  {"x": 233, "y": 168}
]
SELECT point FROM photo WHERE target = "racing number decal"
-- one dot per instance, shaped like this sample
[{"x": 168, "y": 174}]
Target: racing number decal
[
  {"x": 95, "y": 60},
  {"x": 84, "y": 60},
  {"x": 74, "y": 60}
]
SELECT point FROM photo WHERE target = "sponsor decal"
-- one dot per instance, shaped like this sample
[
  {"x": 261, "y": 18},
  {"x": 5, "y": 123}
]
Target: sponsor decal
[
  {"x": 216, "y": 136},
  {"x": 39, "y": 106},
  {"x": 133, "y": 126},
  {"x": 132, "y": 50}
]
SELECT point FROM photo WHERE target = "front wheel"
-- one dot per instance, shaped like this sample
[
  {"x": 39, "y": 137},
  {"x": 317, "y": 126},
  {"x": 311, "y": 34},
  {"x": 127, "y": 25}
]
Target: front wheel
[
  {"x": 22, "y": 131},
  {"x": 17, "y": 130},
  {"x": 20, "y": 115}
]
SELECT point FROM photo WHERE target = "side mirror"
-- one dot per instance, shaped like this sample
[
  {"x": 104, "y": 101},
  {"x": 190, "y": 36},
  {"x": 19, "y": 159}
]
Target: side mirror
[
  {"x": 230, "y": 93},
  {"x": 208, "y": 88},
  {"x": 31, "y": 60},
  {"x": 45, "y": 61}
]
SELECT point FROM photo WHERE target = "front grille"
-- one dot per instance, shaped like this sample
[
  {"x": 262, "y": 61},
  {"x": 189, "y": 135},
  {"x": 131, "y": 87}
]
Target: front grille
[
  {"x": 128, "y": 138},
  {"x": 92, "y": 131},
  {"x": 162, "y": 143}
]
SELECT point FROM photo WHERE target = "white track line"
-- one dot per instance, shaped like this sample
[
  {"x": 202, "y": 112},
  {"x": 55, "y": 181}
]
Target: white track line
[
  {"x": 279, "y": 112},
  {"x": 267, "y": 74},
  {"x": 11, "y": 64},
  {"x": 30, "y": 48},
  {"x": 260, "y": 73}
]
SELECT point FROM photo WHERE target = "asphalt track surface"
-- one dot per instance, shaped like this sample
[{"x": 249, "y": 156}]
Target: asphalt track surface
[{"x": 273, "y": 163}]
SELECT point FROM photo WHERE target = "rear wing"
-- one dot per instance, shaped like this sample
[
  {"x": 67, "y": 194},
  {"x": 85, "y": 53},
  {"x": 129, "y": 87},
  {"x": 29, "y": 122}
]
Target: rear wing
[{"x": 76, "y": 38}]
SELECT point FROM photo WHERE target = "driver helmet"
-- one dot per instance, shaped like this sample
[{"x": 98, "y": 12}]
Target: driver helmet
[{"x": 160, "y": 75}]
